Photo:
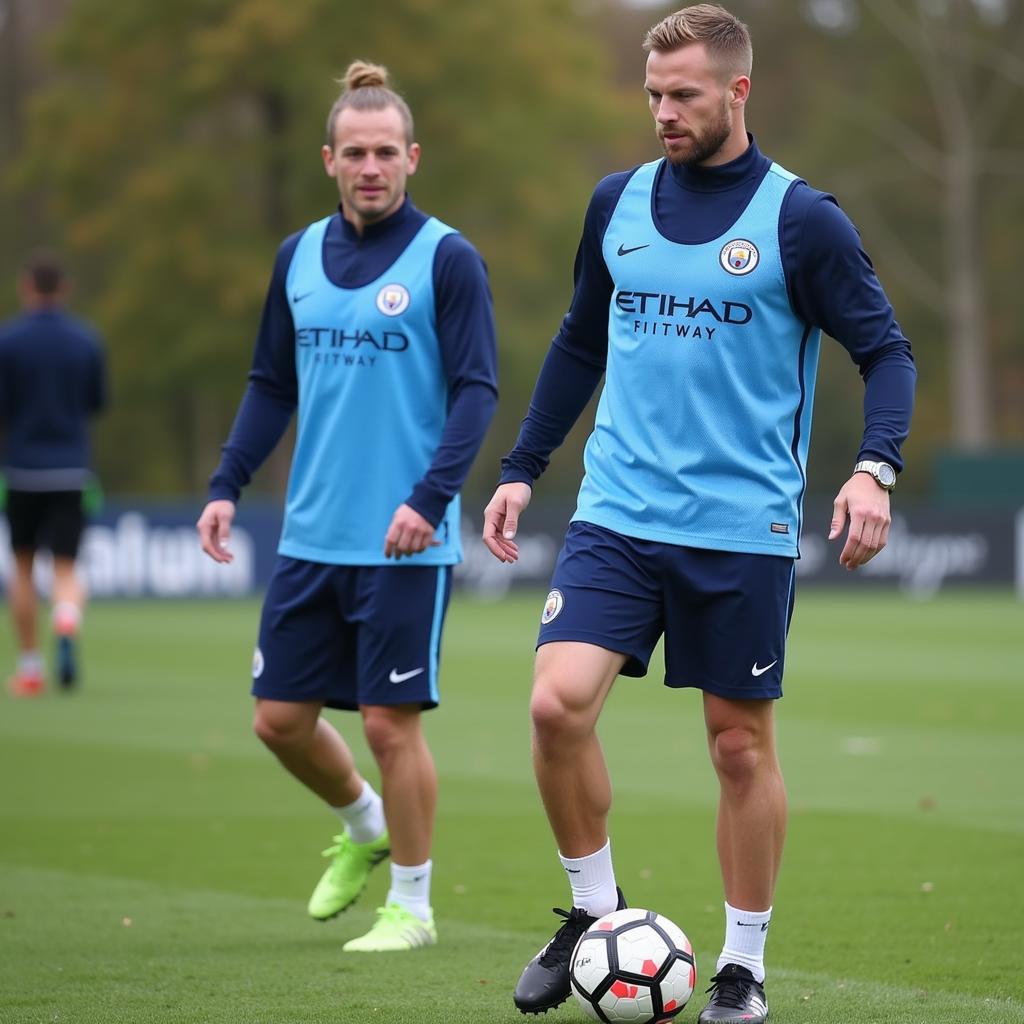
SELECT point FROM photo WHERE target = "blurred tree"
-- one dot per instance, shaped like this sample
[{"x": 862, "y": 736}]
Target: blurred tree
[
  {"x": 933, "y": 155},
  {"x": 177, "y": 144},
  {"x": 22, "y": 213}
]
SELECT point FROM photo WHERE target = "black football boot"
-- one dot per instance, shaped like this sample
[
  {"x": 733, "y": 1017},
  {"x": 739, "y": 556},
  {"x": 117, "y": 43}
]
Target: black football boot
[
  {"x": 735, "y": 998},
  {"x": 544, "y": 983}
]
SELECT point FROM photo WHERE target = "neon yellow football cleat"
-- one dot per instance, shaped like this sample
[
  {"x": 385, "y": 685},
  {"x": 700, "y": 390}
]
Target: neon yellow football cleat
[
  {"x": 346, "y": 878},
  {"x": 395, "y": 929}
]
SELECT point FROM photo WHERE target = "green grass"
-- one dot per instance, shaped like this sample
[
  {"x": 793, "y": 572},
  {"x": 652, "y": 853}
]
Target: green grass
[{"x": 155, "y": 862}]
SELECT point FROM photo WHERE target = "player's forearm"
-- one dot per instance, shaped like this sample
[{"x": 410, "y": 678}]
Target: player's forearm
[
  {"x": 834, "y": 286},
  {"x": 261, "y": 421},
  {"x": 564, "y": 387},
  {"x": 468, "y": 419},
  {"x": 888, "y": 405}
]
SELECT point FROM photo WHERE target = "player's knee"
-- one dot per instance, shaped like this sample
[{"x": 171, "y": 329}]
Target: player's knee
[
  {"x": 278, "y": 732},
  {"x": 387, "y": 731},
  {"x": 553, "y": 717},
  {"x": 737, "y": 754}
]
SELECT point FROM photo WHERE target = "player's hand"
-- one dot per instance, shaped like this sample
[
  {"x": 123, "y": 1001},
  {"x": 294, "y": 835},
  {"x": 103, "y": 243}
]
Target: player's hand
[
  {"x": 408, "y": 534},
  {"x": 214, "y": 528},
  {"x": 501, "y": 520},
  {"x": 867, "y": 506}
]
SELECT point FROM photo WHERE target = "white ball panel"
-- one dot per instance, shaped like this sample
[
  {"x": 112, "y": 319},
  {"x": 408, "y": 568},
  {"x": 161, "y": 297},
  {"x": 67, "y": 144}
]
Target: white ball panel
[
  {"x": 636, "y": 1006},
  {"x": 677, "y": 985},
  {"x": 638, "y": 946},
  {"x": 590, "y": 962},
  {"x": 619, "y": 917},
  {"x": 675, "y": 933}
]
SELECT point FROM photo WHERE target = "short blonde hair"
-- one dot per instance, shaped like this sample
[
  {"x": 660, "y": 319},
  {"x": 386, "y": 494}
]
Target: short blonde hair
[
  {"x": 725, "y": 37},
  {"x": 366, "y": 88}
]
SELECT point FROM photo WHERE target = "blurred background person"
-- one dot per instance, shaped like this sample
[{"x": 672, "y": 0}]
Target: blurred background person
[{"x": 52, "y": 382}]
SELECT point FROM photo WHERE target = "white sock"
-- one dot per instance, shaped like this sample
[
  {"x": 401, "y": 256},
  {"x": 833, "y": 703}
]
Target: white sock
[
  {"x": 592, "y": 879},
  {"x": 364, "y": 817},
  {"x": 410, "y": 888},
  {"x": 30, "y": 663},
  {"x": 745, "y": 935}
]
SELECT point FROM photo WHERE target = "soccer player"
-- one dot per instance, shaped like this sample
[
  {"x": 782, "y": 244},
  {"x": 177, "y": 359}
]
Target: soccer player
[
  {"x": 378, "y": 329},
  {"x": 702, "y": 282},
  {"x": 52, "y": 382}
]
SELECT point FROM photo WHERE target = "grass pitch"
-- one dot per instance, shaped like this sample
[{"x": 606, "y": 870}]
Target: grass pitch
[{"x": 155, "y": 862}]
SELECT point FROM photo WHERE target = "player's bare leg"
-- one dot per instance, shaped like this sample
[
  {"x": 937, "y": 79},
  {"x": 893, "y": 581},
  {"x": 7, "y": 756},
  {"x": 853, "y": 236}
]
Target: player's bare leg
[
  {"x": 67, "y": 586},
  {"x": 750, "y": 835},
  {"x": 409, "y": 783},
  {"x": 313, "y": 751},
  {"x": 408, "y": 778},
  {"x": 752, "y": 805},
  {"x": 24, "y": 602},
  {"x": 571, "y": 682},
  {"x": 68, "y": 602},
  {"x": 27, "y": 680},
  {"x": 310, "y": 748}
]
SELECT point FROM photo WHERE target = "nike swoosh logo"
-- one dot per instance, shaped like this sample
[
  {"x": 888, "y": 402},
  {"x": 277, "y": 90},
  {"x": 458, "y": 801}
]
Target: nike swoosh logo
[
  {"x": 623, "y": 251},
  {"x": 299, "y": 298},
  {"x": 400, "y": 677},
  {"x": 753, "y": 924},
  {"x": 755, "y": 671},
  {"x": 574, "y": 871}
]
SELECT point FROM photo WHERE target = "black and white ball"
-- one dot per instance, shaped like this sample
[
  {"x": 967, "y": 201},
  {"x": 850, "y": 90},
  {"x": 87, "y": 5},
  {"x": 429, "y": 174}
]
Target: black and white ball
[{"x": 633, "y": 965}]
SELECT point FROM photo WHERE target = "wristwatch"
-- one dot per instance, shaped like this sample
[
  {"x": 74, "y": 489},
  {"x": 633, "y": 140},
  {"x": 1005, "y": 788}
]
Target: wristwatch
[{"x": 884, "y": 474}]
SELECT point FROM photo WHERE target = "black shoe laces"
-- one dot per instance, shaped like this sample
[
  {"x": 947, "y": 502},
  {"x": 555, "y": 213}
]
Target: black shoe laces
[
  {"x": 730, "y": 990},
  {"x": 560, "y": 948}
]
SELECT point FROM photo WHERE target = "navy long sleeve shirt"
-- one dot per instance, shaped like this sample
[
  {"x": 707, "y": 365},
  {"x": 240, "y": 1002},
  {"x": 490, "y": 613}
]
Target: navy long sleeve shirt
[
  {"x": 465, "y": 330},
  {"x": 52, "y": 381},
  {"x": 829, "y": 277}
]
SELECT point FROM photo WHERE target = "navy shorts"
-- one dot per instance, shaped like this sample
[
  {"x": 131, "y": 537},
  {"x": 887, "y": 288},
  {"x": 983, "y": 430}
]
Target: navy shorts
[
  {"x": 46, "y": 519},
  {"x": 724, "y": 614},
  {"x": 345, "y": 635}
]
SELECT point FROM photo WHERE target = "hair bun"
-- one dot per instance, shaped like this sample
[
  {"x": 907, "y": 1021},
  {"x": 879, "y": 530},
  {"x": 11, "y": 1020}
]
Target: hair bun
[{"x": 362, "y": 75}]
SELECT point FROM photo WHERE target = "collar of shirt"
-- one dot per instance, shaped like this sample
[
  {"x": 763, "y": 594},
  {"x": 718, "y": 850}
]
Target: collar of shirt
[
  {"x": 750, "y": 164},
  {"x": 379, "y": 230},
  {"x": 352, "y": 260}
]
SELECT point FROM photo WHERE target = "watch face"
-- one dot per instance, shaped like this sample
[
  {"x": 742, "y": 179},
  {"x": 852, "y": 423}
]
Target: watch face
[{"x": 886, "y": 474}]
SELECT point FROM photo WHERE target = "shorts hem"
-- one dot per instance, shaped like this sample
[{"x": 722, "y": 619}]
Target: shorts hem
[
  {"x": 728, "y": 693},
  {"x": 287, "y": 697},
  {"x": 636, "y": 664}
]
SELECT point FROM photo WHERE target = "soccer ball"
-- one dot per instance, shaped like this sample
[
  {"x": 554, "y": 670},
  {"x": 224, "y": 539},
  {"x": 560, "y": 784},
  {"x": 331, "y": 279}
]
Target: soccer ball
[{"x": 633, "y": 965}]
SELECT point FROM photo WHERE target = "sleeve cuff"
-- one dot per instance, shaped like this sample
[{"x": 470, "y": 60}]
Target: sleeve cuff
[
  {"x": 223, "y": 492},
  {"x": 515, "y": 475},
  {"x": 430, "y": 504}
]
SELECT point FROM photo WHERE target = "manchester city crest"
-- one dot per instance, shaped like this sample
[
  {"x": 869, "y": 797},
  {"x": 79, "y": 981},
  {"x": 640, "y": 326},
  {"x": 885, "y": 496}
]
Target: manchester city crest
[
  {"x": 393, "y": 299},
  {"x": 552, "y": 606},
  {"x": 739, "y": 256}
]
